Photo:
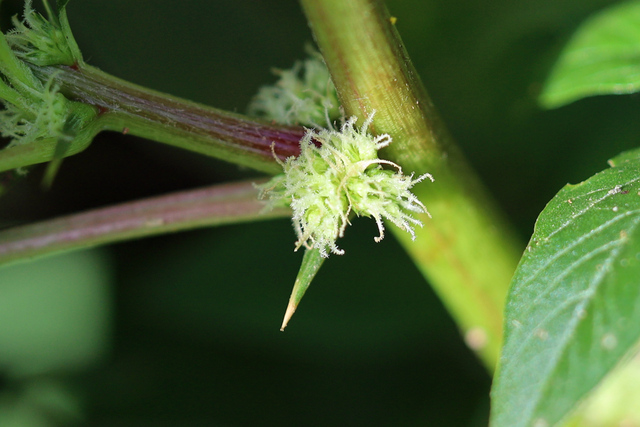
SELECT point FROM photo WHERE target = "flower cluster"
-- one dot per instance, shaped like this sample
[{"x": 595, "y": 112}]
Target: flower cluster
[
  {"x": 33, "y": 111},
  {"x": 339, "y": 174},
  {"x": 42, "y": 116},
  {"x": 304, "y": 95},
  {"x": 43, "y": 41}
]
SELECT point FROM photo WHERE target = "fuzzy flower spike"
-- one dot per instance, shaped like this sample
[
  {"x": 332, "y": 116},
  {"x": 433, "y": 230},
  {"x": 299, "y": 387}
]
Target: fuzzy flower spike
[{"x": 337, "y": 174}]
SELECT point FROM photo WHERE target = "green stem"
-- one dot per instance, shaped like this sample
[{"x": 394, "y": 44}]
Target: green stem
[
  {"x": 216, "y": 205},
  {"x": 129, "y": 108},
  {"x": 467, "y": 251},
  {"x": 44, "y": 150}
]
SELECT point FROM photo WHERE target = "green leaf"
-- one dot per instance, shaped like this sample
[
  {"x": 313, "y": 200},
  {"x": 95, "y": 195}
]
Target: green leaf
[
  {"x": 311, "y": 263},
  {"x": 601, "y": 58},
  {"x": 573, "y": 309}
]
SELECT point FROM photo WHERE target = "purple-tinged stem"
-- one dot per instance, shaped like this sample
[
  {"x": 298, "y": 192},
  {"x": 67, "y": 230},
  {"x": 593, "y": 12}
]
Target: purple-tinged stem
[
  {"x": 129, "y": 108},
  {"x": 216, "y": 205}
]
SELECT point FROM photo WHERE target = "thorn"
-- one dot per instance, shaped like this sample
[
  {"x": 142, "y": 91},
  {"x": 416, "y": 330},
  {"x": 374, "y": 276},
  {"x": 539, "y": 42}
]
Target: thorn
[
  {"x": 291, "y": 308},
  {"x": 311, "y": 262}
]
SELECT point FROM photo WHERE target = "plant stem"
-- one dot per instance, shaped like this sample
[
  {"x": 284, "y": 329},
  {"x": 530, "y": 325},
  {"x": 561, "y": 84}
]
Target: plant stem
[
  {"x": 216, "y": 205},
  {"x": 467, "y": 251},
  {"x": 129, "y": 108}
]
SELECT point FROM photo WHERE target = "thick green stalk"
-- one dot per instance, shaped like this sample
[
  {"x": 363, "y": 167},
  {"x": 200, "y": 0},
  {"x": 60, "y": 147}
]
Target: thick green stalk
[{"x": 466, "y": 251}]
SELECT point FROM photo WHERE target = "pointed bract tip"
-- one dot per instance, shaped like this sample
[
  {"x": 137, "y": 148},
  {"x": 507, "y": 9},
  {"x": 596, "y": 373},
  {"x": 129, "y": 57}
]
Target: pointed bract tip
[{"x": 291, "y": 308}]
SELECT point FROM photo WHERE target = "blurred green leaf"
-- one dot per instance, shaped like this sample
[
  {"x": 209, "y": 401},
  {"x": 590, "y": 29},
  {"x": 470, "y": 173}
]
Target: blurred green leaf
[
  {"x": 39, "y": 402},
  {"x": 601, "y": 58},
  {"x": 55, "y": 313},
  {"x": 574, "y": 304}
]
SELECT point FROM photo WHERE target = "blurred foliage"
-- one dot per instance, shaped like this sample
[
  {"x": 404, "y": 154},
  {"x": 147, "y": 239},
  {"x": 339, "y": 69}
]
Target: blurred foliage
[
  {"x": 196, "y": 339},
  {"x": 601, "y": 58},
  {"x": 56, "y": 319}
]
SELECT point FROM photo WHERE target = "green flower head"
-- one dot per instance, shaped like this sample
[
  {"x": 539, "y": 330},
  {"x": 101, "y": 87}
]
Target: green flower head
[
  {"x": 43, "y": 41},
  {"x": 339, "y": 174},
  {"x": 304, "y": 95}
]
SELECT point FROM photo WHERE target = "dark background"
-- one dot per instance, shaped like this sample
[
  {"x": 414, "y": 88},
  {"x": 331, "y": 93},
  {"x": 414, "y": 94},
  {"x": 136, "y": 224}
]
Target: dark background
[{"x": 186, "y": 325}]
